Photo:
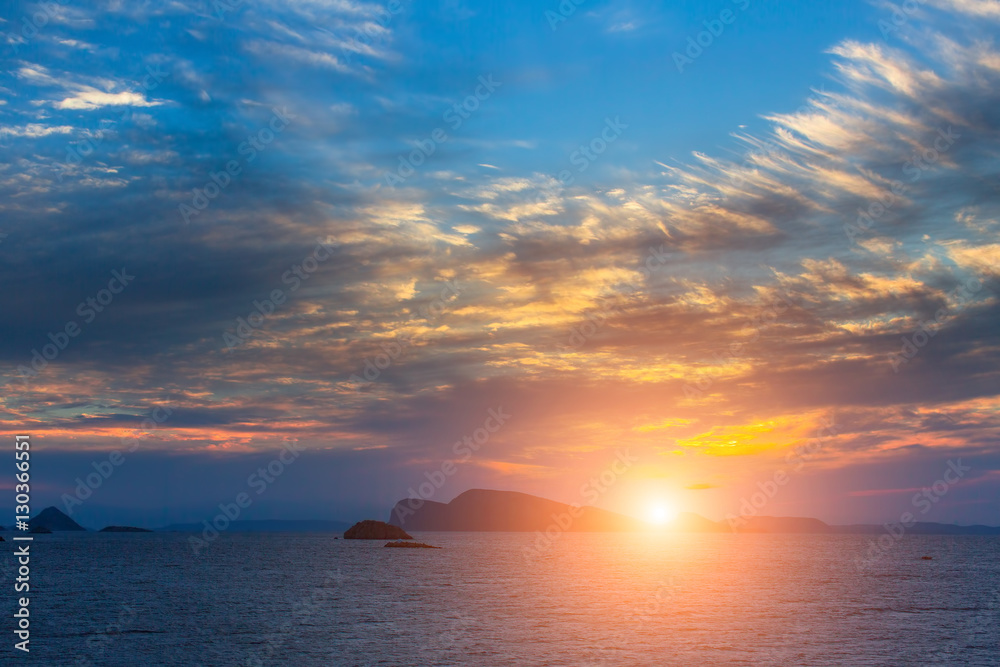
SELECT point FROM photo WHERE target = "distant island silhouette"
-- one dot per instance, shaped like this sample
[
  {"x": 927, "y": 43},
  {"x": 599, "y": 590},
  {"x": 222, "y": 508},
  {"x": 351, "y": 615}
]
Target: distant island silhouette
[
  {"x": 486, "y": 510},
  {"x": 52, "y": 519},
  {"x": 411, "y": 545},
  {"x": 369, "y": 529}
]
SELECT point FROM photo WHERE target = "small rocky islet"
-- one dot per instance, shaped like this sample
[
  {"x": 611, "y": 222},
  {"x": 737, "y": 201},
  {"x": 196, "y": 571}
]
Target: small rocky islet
[
  {"x": 411, "y": 545},
  {"x": 369, "y": 529}
]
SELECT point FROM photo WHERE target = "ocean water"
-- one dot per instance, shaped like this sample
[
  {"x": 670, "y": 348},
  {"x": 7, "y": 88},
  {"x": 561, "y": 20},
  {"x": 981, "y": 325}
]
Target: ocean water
[{"x": 588, "y": 599}]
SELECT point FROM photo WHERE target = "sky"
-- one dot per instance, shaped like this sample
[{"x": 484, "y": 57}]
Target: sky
[{"x": 726, "y": 257}]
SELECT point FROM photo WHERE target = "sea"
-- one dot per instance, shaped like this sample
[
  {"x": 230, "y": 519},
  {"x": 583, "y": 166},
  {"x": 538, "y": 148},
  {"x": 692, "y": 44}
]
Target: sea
[{"x": 303, "y": 599}]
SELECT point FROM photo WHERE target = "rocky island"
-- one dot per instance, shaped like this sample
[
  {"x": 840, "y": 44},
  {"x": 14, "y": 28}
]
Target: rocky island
[
  {"x": 50, "y": 519},
  {"x": 410, "y": 545},
  {"x": 369, "y": 529}
]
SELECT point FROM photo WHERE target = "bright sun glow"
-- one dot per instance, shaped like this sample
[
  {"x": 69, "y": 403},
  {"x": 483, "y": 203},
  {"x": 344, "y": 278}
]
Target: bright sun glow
[{"x": 660, "y": 513}]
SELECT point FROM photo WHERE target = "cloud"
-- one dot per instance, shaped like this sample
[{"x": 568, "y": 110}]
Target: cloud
[
  {"x": 625, "y": 26},
  {"x": 979, "y": 8},
  {"x": 95, "y": 99},
  {"x": 34, "y": 130},
  {"x": 305, "y": 56}
]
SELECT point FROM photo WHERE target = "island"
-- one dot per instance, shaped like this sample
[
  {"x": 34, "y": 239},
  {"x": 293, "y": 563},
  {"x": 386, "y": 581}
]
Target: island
[
  {"x": 779, "y": 524},
  {"x": 410, "y": 545},
  {"x": 52, "y": 519},
  {"x": 487, "y": 510},
  {"x": 369, "y": 529},
  {"x": 508, "y": 511},
  {"x": 124, "y": 529}
]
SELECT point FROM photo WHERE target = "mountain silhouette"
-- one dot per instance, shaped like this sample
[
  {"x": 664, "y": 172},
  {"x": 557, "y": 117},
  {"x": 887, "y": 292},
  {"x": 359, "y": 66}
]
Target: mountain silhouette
[
  {"x": 53, "y": 519},
  {"x": 488, "y": 510}
]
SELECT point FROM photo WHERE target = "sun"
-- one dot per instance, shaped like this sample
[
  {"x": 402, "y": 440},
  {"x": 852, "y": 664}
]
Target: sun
[{"x": 660, "y": 513}]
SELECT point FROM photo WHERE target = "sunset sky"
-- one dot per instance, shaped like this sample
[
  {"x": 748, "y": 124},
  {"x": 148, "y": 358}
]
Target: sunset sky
[{"x": 633, "y": 227}]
